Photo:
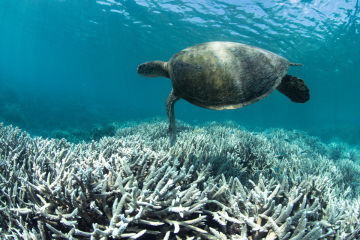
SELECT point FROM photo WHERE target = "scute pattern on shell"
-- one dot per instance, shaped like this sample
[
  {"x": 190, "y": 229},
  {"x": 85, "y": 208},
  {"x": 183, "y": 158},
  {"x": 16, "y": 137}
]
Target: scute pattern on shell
[{"x": 225, "y": 75}]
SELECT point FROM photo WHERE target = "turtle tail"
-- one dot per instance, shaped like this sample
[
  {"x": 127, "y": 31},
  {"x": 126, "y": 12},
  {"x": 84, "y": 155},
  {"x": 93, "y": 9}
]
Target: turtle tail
[{"x": 294, "y": 88}]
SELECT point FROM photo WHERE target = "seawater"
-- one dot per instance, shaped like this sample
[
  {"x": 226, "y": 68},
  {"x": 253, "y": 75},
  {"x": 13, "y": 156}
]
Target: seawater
[{"x": 72, "y": 64}]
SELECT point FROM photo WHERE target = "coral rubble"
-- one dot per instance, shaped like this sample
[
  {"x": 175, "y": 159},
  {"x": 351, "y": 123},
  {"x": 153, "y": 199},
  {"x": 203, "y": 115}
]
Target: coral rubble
[{"x": 217, "y": 182}]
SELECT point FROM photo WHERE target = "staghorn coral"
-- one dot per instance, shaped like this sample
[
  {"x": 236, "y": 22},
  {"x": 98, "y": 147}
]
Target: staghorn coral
[{"x": 217, "y": 182}]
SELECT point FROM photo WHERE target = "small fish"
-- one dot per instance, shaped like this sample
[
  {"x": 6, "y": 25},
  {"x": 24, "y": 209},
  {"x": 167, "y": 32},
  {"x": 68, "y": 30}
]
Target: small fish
[
  {"x": 280, "y": 155},
  {"x": 197, "y": 130},
  {"x": 232, "y": 132}
]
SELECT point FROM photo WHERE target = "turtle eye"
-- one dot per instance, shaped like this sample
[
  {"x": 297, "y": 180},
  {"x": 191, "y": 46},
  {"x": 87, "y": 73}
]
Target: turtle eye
[{"x": 144, "y": 69}]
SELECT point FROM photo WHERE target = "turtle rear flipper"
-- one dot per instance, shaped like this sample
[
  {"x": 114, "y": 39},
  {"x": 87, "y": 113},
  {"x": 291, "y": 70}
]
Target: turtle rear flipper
[
  {"x": 294, "y": 88},
  {"x": 170, "y": 112}
]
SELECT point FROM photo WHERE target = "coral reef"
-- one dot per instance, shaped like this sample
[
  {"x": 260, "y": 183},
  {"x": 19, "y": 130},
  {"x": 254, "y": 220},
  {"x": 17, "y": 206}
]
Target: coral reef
[
  {"x": 218, "y": 182},
  {"x": 76, "y": 135}
]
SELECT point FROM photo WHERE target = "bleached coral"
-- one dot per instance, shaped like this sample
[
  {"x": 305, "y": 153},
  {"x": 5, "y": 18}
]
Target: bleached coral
[{"x": 217, "y": 182}]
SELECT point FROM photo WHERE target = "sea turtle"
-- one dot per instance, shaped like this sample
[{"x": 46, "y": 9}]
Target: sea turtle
[{"x": 224, "y": 75}]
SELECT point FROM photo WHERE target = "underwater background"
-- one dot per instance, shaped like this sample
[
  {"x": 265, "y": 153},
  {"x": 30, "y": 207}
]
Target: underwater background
[
  {"x": 72, "y": 64},
  {"x": 84, "y": 143}
]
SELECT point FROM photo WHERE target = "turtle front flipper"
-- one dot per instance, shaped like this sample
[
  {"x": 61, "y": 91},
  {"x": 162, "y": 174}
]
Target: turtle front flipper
[
  {"x": 294, "y": 88},
  {"x": 170, "y": 112}
]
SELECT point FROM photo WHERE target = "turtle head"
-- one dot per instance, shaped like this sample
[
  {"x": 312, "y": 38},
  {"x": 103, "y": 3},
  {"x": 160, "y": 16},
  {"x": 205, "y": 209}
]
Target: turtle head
[{"x": 153, "y": 69}]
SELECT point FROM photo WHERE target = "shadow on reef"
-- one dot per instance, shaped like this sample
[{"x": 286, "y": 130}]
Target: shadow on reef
[
  {"x": 77, "y": 135},
  {"x": 219, "y": 181}
]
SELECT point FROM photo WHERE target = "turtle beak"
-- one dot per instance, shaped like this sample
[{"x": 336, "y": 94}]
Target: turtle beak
[
  {"x": 142, "y": 69},
  {"x": 139, "y": 68}
]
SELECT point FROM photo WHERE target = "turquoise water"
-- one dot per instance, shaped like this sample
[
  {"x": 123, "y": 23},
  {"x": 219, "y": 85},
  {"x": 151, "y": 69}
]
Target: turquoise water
[
  {"x": 72, "y": 64},
  {"x": 68, "y": 68}
]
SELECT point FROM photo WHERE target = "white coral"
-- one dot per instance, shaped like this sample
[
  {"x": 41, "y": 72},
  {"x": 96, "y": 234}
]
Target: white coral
[{"x": 205, "y": 187}]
